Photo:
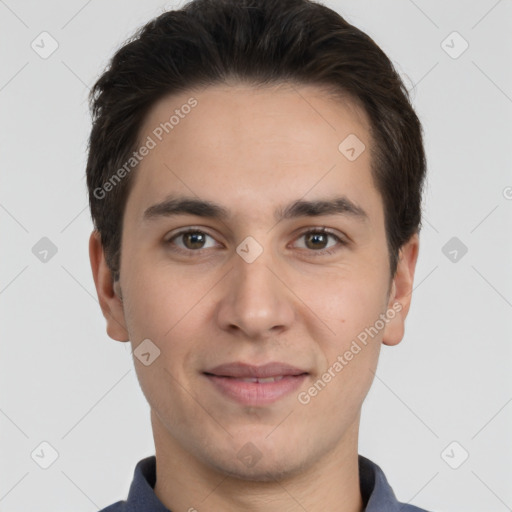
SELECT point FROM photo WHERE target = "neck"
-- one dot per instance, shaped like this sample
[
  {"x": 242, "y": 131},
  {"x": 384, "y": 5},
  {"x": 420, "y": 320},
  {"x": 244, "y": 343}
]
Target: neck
[{"x": 185, "y": 484}]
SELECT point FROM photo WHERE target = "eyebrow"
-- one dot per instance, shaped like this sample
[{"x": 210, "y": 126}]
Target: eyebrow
[{"x": 183, "y": 205}]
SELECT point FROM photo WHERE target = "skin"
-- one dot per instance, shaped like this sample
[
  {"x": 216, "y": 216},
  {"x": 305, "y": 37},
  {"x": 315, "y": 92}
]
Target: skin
[{"x": 253, "y": 150}]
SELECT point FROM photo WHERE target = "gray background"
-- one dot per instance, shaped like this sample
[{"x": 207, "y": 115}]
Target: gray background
[{"x": 64, "y": 382}]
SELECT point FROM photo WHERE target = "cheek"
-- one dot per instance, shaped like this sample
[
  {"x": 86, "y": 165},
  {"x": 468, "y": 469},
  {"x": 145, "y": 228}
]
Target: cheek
[
  {"x": 347, "y": 300},
  {"x": 350, "y": 304},
  {"x": 164, "y": 311},
  {"x": 159, "y": 299},
  {"x": 349, "y": 353},
  {"x": 170, "y": 310}
]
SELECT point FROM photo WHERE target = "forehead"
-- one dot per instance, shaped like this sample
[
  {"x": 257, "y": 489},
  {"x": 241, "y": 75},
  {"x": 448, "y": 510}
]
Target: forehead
[{"x": 254, "y": 146}]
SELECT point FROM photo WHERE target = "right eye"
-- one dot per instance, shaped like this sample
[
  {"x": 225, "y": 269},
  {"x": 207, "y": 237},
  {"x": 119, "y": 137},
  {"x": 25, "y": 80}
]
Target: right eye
[{"x": 190, "y": 240}]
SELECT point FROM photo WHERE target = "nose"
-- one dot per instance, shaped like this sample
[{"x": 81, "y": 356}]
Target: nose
[{"x": 256, "y": 303}]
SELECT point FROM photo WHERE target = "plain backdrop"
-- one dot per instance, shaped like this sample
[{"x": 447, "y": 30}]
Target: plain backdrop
[{"x": 443, "y": 394}]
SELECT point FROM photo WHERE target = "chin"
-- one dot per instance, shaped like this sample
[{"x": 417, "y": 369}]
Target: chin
[
  {"x": 262, "y": 471},
  {"x": 255, "y": 460}
]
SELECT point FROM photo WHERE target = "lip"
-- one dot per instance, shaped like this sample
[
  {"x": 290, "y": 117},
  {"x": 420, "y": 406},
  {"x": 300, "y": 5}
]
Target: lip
[
  {"x": 243, "y": 370},
  {"x": 228, "y": 379}
]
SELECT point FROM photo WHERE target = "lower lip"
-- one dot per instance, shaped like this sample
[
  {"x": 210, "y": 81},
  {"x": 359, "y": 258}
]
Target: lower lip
[{"x": 256, "y": 393}]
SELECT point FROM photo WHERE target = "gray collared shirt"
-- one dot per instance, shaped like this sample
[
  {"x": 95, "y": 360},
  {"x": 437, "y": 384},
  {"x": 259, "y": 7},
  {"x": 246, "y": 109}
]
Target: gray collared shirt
[{"x": 377, "y": 494}]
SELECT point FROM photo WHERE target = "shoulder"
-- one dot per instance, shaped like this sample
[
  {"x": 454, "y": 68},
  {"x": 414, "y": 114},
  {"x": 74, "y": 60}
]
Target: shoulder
[
  {"x": 120, "y": 506},
  {"x": 377, "y": 493},
  {"x": 405, "y": 507}
]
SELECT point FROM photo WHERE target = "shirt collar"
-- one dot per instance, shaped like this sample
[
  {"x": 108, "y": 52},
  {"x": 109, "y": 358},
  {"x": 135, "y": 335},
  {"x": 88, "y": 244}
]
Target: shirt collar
[{"x": 377, "y": 494}]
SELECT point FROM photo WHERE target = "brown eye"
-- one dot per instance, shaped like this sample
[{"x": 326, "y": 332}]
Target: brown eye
[
  {"x": 317, "y": 240},
  {"x": 191, "y": 240}
]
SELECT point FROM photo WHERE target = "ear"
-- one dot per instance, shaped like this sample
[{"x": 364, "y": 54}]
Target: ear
[
  {"x": 109, "y": 293},
  {"x": 401, "y": 292}
]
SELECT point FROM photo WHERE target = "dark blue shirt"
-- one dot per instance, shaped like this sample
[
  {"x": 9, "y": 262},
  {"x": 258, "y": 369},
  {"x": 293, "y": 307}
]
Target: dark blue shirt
[{"x": 376, "y": 492}]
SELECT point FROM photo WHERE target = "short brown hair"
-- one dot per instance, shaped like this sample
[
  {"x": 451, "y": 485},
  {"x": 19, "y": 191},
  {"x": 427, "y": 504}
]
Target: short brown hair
[{"x": 261, "y": 42}]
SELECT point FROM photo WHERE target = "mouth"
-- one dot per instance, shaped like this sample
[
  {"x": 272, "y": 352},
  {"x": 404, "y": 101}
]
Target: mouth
[
  {"x": 248, "y": 371},
  {"x": 255, "y": 385},
  {"x": 253, "y": 379}
]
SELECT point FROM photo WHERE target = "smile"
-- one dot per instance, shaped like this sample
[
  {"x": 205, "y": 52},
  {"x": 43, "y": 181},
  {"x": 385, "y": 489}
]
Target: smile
[{"x": 255, "y": 385}]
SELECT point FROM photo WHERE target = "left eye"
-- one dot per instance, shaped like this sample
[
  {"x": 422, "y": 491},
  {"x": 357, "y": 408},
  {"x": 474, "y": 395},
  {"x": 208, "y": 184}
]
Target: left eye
[{"x": 318, "y": 240}]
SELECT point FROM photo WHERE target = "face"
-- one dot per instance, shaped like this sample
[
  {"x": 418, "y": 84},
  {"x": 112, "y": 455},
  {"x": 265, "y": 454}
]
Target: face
[{"x": 278, "y": 276}]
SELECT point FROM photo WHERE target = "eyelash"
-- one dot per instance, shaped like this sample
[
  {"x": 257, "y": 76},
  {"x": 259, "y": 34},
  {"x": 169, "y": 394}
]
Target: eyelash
[{"x": 321, "y": 230}]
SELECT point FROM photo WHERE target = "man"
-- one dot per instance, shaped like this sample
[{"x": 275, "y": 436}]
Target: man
[{"x": 255, "y": 175}]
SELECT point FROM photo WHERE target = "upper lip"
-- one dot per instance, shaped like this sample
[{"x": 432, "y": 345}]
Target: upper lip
[{"x": 243, "y": 370}]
